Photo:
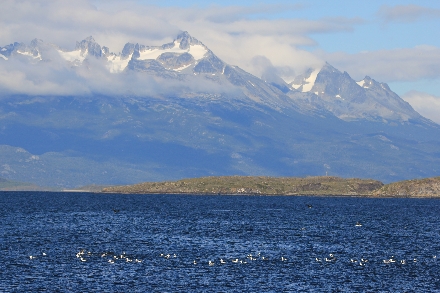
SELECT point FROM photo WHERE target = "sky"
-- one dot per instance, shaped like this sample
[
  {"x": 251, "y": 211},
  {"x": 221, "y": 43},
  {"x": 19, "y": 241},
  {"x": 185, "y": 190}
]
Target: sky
[{"x": 397, "y": 42}]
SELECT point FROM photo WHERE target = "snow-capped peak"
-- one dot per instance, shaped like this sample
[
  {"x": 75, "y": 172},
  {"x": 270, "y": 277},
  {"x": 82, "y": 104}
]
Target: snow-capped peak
[{"x": 184, "y": 43}]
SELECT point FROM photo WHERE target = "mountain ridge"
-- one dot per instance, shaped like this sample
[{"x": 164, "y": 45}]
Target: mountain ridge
[
  {"x": 203, "y": 117},
  {"x": 320, "y": 89}
]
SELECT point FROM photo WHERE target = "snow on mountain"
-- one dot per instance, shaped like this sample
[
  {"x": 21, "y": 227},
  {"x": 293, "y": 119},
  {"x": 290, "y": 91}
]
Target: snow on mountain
[
  {"x": 306, "y": 81},
  {"x": 178, "y": 55},
  {"x": 20, "y": 50},
  {"x": 332, "y": 90},
  {"x": 185, "y": 59}
]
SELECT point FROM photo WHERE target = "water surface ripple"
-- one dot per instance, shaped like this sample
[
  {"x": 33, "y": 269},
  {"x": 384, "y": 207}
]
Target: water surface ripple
[{"x": 80, "y": 242}]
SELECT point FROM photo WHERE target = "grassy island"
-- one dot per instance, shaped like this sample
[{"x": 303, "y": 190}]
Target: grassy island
[{"x": 254, "y": 185}]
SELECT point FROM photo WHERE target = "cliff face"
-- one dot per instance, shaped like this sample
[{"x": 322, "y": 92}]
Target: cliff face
[
  {"x": 429, "y": 187},
  {"x": 256, "y": 185}
]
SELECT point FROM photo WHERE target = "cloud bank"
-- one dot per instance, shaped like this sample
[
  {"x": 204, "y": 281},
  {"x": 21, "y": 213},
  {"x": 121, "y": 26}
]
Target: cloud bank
[
  {"x": 406, "y": 13},
  {"x": 406, "y": 64},
  {"x": 426, "y": 104},
  {"x": 235, "y": 33}
]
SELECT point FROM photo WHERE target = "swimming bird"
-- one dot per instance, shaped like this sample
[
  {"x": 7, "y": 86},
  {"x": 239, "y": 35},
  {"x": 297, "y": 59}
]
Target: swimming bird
[
  {"x": 390, "y": 260},
  {"x": 331, "y": 259},
  {"x": 283, "y": 258},
  {"x": 309, "y": 206},
  {"x": 235, "y": 260},
  {"x": 44, "y": 254},
  {"x": 111, "y": 261},
  {"x": 195, "y": 262},
  {"x": 358, "y": 224},
  {"x": 83, "y": 259},
  {"x": 31, "y": 257},
  {"x": 222, "y": 261},
  {"x": 211, "y": 263}
]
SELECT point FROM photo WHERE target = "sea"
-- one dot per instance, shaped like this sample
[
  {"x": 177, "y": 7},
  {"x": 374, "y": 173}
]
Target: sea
[{"x": 91, "y": 242}]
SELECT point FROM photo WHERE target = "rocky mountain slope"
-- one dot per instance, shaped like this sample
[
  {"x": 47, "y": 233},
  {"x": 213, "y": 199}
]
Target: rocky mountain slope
[{"x": 187, "y": 113}]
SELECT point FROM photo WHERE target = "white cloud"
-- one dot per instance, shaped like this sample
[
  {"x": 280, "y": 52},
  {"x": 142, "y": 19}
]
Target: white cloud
[
  {"x": 406, "y": 64},
  {"x": 239, "y": 35},
  {"x": 235, "y": 33},
  {"x": 426, "y": 104}
]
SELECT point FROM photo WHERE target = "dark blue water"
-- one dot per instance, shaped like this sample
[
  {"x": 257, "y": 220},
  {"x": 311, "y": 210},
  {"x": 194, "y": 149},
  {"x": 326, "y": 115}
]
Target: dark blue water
[{"x": 78, "y": 243}]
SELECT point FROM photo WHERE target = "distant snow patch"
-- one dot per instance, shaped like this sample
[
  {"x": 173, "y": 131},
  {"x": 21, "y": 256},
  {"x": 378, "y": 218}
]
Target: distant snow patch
[
  {"x": 197, "y": 51},
  {"x": 29, "y": 54},
  {"x": 4, "y": 57},
  {"x": 182, "y": 68},
  {"x": 361, "y": 83},
  {"x": 310, "y": 82},
  {"x": 116, "y": 63}
]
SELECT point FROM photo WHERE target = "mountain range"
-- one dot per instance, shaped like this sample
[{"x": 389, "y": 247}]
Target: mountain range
[{"x": 186, "y": 113}]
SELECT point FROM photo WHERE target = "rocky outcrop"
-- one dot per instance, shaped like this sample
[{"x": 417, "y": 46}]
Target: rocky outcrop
[{"x": 428, "y": 187}]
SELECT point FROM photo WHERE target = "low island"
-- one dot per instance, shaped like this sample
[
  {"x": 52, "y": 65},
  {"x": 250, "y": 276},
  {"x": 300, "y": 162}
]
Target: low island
[
  {"x": 256, "y": 185},
  {"x": 261, "y": 185}
]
